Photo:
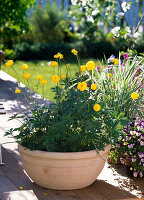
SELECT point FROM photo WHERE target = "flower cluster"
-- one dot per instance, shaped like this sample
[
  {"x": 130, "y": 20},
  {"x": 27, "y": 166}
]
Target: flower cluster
[
  {"x": 130, "y": 147},
  {"x": 58, "y": 55}
]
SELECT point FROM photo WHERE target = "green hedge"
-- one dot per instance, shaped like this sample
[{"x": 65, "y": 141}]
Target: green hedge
[{"x": 45, "y": 51}]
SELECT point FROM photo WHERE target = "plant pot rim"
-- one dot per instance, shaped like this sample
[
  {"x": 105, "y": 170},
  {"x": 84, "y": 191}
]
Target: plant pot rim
[{"x": 62, "y": 155}]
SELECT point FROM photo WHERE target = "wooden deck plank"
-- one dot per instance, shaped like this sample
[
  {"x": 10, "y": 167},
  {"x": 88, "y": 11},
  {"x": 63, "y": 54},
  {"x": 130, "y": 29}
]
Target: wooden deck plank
[
  {"x": 15, "y": 173},
  {"x": 8, "y": 190},
  {"x": 64, "y": 195},
  {"x": 90, "y": 192},
  {"x": 111, "y": 192}
]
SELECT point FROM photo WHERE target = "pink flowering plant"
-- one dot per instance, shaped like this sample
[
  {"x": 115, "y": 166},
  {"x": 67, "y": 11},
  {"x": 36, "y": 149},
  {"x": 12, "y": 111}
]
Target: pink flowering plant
[{"x": 129, "y": 149}]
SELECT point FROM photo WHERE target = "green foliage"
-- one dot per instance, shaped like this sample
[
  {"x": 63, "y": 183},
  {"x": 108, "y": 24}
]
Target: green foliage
[
  {"x": 47, "y": 24},
  {"x": 127, "y": 77},
  {"x": 45, "y": 50},
  {"x": 13, "y": 18},
  {"x": 71, "y": 124},
  {"x": 68, "y": 126}
]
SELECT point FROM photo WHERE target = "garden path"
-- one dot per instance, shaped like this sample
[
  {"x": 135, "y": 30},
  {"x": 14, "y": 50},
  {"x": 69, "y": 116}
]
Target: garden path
[{"x": 110, "y": 185}]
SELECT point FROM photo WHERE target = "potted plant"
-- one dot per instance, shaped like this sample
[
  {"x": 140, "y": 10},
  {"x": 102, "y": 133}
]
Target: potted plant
[{"x": 65, "y": 146}]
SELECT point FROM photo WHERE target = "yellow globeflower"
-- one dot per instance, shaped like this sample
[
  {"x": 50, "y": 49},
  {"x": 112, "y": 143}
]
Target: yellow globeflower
[
  {"x": 43, "y": 82},
  {"x": 17, "y": 91},
  {"x": 63, "y": 76},
  {"x": 9, "y": 63},
  {"x": 39, "y": 77},
  {"x": 68, "y": 64},
  {"x": 97, "y": 107},
  {"x": 55, "y": 79},
  {"x": 58, "y": 55},
  {"x": 83, "y": 68},
  {"x": 94, "y": 86},
  {"x": 75, "y": 52},
  {"x": 109, "y": 74},
  {"x": 134, "y": 95},
  {"x": 82, "y": 86},
  {"x": 26, "y": 75},
  {"x": 115, "y": 61},
  {"x": 24, "y": 67},
  {"x": 90, "y": 65},
  {"x": 54, "y": 64}
]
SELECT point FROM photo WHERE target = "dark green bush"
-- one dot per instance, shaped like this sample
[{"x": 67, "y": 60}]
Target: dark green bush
[
  {"x": 47, "y": 24},
  {"x": 44, "y": 51}
]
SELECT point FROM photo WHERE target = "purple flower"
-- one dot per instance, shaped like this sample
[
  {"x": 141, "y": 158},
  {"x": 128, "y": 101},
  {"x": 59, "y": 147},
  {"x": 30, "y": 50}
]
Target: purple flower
[
  {"x": 99, "y": 68},
  {"x": 112, "y": 57},
  {"x": 130, "y": 146},
  {"x": 142, "y": 143},
  {"x": 133, "y": 159},
  {"x": 125, "y": 56},
  {"x": 142, "y": 137},
  {"x": 141, "y": 174},
  {"x": 140, "y": 154},
  {"x": 88, "y": 85},
  {"x": 139, "y": 127},
  {"x": 138, "y": 133},
  {"x": 86, "y": 75},
  {"x": 142, "y": 160},
  {"x": 118, "y": 144},
  {"x": 135, "y": 174},
  {"x": 122, "y": 160},
  {"x": 128, "y": 138}
]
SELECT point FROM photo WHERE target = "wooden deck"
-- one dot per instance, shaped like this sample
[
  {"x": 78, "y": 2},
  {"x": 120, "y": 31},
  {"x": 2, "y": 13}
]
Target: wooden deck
[{"x": 16, "y": 185}]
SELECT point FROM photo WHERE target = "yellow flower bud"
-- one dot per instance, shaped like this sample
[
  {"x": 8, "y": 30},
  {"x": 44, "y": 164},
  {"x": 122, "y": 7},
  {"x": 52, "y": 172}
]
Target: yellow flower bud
[
  {"x": 97, "y": 107},
  {"x": 82, "y": 86},
  {"x": 24, "y": 67},
  {"x": 83, "y": 68},
  {"x": 54, "y": 64},
  {"x": 17, "y": 91},
  {"x": 39, "y": 77},
  {"x": 94, "y": 86},
  {"x": 75, "y": 52},
  {"x": 90, "y": 65},
  {"x": 63, "y": 76},
  {"x": 26, "y": 75},
  {"x": 9, "y": 63},
  {"x": 55, "y": 79},
  {"x": 43, "y": 82},
  {"x": 134, "y": 95}
]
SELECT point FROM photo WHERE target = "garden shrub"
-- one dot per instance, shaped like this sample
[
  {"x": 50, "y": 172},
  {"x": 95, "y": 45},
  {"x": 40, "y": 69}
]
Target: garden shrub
[
  {"x": 100, "y": 48},
  {"x": 45, "y": 50},
  {"x": 47, "y": 24}
]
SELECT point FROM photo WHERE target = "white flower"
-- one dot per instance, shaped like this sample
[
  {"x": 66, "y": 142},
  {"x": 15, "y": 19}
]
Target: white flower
[
  {"x": 74, "y": 2},
  {"x": 95, "y": 12},
  {"x": 84, "y": 2},
  {"x": 42, "y": 64},
  {"x": 90, "y": 19},
  {"x": 125, "y": 6},
  {"x": 116, "y": 31},
  {"x": 128, "y": 32},
  {"x": 136, "y": 35},
  {"x": 120, "y": 14}
]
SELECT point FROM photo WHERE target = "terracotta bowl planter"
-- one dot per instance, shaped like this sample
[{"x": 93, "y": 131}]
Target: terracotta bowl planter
[{"x": 63, "y": 171}]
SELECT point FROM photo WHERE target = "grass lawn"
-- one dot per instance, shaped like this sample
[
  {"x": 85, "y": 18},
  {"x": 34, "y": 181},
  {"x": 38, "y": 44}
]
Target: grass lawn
[{"x": 42, "y": 68}]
